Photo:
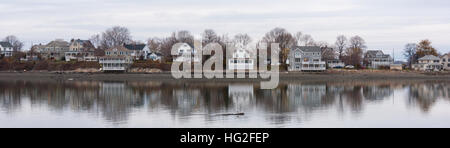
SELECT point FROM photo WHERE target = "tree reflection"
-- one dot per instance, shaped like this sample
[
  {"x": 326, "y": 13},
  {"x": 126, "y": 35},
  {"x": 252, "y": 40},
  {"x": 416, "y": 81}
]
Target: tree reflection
[
  {"x": 425, "y": 95},
  {"x": 116, "y": 101}
]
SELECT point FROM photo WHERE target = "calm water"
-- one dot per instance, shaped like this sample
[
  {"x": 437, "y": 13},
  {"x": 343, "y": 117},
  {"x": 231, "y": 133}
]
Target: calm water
[{"x": 161, "y": 104}]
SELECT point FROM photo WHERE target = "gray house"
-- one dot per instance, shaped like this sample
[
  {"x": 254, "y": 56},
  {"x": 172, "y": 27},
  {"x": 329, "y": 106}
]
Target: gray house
[
  {"x": 306, "y": 58},
  {"x": 376, "y": 59},
  {"x": 54, "y": 50},
  {"x": 137, "y": 50}
]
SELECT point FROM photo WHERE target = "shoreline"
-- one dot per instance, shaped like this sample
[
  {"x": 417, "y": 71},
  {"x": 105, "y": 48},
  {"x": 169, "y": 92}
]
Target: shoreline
[{"x": 284, "y": 76}]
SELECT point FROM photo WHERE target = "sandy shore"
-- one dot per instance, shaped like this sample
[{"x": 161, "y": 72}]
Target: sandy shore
[{"x": 284, "y": 76}]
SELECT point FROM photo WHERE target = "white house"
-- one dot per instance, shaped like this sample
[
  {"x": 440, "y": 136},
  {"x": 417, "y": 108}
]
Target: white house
[
  {"x": 428, "y": 63},
  {"x": 154, "y": 56},
  {"x": 147, "y": 52},
  {"x": 149, "y": 55},
  {"x": 6, "y": 49},
  {"x": 306, "y": 58},
  {"x": 116, "y": 59},
  {"x": 242, "y": 59}
]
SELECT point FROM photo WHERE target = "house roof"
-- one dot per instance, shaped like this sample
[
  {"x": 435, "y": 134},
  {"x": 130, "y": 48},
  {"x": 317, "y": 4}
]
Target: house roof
[
  {"x": 373, "y": 54},
  {"x": 5, "y": 44},
  {"x": 117, "y": 48},
  {"x": 308, "y": 48},
  {"x": 135, "y": 46},
  {"x": 58, "y": 43},
  {"x": 429, "y": 57},
  {"x": 82, "y": 42},
  {"x": 447, "y": 54}
]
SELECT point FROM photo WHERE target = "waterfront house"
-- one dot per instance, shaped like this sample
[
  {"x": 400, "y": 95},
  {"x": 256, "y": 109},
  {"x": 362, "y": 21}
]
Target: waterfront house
[
  {"x": 377, "y": 59},
  {"x": 81, "y": 50},
  {"x": 138, "y": 51},
  {"x": 306, "y": 58},
  {"x": 55, "y": 50},
  {"x": 445, "y": 61},
  {"x": 185, "y": 53},
  {"x": 6, "y": 49},
  {"x": 335, "y": 64},
  {"x": 242, "y": 59},
  {"x": 154, "y": 56},
  {"x": 117, "y": 58},
  {"x": 428, "y": 63}
]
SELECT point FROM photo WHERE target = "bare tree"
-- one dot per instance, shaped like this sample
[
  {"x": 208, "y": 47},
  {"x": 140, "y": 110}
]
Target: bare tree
[
  {"x": 328, "y": 52},
  {"x": 95, "y": 40},
  {"x": 355, "y": 50},
  {"x": 115, "y": 36},
  {"x": 243, "y": 39},
  {"x": 154, "y": 44},
  {"x": 410, "y": 53},
  {"x": 282, "y": 37},
  {"x": 209, "y": 36},
  {"x": 307, "y": 40},
  {"x": 15, "y": 42},
  {"x": 341, "y": 44},
  {"x": 184, "y": 36},
  {"x": 166, "y": 47},
  {"x": 321, "y": 44},
  {"x": 298, "y": 38}
]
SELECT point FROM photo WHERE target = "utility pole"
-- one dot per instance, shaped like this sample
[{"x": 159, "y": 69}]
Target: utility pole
[{"x": 393, "y": 55}]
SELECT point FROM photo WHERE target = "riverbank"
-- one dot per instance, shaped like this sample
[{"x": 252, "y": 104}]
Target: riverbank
[{"x": 334, "y": 75}]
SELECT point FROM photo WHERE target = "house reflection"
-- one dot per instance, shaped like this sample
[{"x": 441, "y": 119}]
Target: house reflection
[
  {"x": 377, "y": 92},
  {"x": 242, "y": 96}
]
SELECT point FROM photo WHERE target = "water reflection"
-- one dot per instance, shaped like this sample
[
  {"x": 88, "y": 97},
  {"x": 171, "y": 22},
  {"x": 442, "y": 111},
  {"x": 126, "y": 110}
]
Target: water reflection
[
  {"x": 115, "y": 102},
  {"x": 426, "y": 95}
]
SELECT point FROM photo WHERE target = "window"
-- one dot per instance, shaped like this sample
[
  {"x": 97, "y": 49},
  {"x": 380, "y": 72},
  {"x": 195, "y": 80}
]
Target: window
[{"x": 298, "y": 60}]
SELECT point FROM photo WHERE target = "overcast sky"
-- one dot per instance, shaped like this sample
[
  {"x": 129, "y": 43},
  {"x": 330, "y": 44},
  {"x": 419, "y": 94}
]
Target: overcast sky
[{"x": 384, "y": 24}]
